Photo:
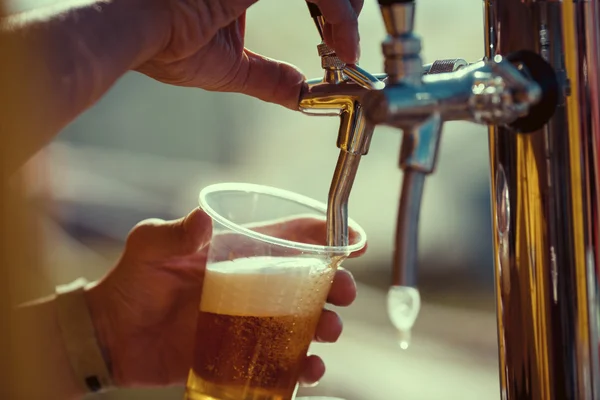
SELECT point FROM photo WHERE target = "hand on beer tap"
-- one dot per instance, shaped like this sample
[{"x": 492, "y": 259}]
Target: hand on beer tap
[
  {"x": 204, "y": 48},
  {"x": 145, "y": 309},
  {"x": 86, "y": 46}
]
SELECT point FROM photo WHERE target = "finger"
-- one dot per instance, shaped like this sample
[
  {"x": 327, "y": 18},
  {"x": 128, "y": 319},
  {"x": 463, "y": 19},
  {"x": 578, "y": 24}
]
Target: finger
[
  {"x": 357, "y": 5},
  {"x": 313, "y": 371},
  {"x": 328, "y": 35},
  {"x": 156, "y": 239},
  {"x": 217, "y": 14},
  {"x": 343, "y": 18},
  {"x": 357, "y": 253},
  {"x": 329, "y": 327},
  {"x": 343, "y": 289},
  {"x": 268, "y": 80},
  {"x": 308, "y": 230}
]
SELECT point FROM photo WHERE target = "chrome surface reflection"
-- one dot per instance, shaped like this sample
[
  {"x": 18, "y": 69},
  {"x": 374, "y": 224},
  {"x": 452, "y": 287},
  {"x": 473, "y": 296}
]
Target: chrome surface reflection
[
  {"x": 546, "y": 215},
  {"x": 538, "y": 90}
]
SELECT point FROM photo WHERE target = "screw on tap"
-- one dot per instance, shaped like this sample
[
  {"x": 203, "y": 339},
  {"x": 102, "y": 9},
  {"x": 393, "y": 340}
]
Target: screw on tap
[{"x": 336, "y": 70}]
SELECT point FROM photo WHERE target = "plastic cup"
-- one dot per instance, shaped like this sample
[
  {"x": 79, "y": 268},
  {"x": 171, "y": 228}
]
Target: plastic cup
[{"x": 266, "y": 282}]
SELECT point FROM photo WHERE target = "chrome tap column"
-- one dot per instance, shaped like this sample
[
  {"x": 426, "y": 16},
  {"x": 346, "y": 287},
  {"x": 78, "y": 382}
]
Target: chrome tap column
[{"x": 545, "y": 207}]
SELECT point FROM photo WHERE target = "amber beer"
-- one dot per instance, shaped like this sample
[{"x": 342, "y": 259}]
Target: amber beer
[{"x": 256, "y": 321}]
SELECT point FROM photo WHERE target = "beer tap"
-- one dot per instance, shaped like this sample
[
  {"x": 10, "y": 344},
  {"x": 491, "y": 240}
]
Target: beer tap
[
  {"x": 538, "y": 91},
  {"x": 495, "y": 91},
  {"x": 417, "y": 100},
  {"x": 339, "y": 93}
]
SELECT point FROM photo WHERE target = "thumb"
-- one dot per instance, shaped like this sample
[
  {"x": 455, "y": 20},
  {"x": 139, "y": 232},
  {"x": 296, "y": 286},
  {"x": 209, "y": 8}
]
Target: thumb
[
  {"x": 268, "y": 80},
  {"x": 155, "y": 239}
]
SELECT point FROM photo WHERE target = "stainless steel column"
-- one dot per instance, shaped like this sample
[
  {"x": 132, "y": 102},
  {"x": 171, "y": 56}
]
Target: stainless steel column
[{"x": 545, "y": 208}]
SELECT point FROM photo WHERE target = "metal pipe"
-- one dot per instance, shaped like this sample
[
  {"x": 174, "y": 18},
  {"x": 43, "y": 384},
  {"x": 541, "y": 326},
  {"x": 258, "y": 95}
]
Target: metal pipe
[
  {"x": 404, "y": 272},
  {"x": 339, "y": 193}
]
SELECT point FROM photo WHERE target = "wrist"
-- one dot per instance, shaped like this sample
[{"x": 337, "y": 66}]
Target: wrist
[{"x": 98, "y": 305}]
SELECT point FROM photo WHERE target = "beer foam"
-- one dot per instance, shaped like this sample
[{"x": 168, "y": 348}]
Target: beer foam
[{"x": 266, "y": 286}]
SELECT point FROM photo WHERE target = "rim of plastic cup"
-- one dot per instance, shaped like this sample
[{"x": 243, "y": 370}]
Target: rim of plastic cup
[{"x": 285, "y": 195}]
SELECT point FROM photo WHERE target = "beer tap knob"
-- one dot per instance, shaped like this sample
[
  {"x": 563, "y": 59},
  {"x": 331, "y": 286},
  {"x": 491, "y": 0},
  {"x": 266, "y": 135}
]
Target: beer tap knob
[
  {"x": 339, "y": 70},
  {"x": 318, "y": 19}
]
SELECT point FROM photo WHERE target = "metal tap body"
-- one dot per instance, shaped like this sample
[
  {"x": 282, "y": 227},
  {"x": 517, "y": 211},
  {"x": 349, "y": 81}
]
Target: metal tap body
[
  {"x": 538, "y": 90},
  {"x": 336, "y": 95},
  {"x": 545, "y": 207},
  {"x": 339, "y": 93}
]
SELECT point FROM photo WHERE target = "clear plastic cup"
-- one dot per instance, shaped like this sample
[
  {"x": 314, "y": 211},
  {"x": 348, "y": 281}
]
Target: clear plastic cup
[{"x": 267, "y": 279}]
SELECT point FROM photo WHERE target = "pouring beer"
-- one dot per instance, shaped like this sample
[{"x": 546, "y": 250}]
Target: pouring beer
[{"x": 262, "y": 295}]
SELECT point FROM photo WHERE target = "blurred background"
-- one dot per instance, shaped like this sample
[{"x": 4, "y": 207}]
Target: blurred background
[{"x": 146, "y": 149}]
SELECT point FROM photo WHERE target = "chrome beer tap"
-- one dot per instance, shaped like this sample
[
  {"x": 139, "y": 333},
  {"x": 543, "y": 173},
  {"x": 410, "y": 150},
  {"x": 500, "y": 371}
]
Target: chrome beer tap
[
  {"x": 491, "y": 92},
  {"x": 339, "y": 93},
  {"x": 538, "y": 90}
]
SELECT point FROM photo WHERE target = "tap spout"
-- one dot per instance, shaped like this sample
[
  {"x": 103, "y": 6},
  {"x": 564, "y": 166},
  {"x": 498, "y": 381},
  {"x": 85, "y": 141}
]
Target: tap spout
[
  {"x": 418, "y": 156},
  {"x": 339, "y": 193},
  {"x": 354, "y": 139}
]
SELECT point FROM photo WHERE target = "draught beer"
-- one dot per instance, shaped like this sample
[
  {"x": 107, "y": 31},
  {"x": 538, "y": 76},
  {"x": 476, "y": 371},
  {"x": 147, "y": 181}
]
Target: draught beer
[
  {"x": 266, "y": 281},
  {"x": 256, "y": 321}
]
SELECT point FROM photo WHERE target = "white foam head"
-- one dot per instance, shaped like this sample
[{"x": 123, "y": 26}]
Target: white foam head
[{"x": 266, "y": 286}]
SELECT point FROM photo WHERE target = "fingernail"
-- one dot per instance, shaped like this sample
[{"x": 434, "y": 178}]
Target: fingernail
[{"x": 310, "y": 385}]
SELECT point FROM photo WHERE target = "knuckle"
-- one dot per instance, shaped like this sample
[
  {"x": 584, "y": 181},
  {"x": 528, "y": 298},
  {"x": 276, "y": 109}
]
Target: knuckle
[
  {"x": 141, "y": 231},
  {"x": 142, "y": 227}
]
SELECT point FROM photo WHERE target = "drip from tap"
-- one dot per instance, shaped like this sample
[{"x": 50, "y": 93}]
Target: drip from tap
[{"x": 404, "y": 304}]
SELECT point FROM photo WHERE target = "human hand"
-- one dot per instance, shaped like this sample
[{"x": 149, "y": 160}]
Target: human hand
[
  {"x": 204, "y": 48},
  {"x": 145, "y": 309}
]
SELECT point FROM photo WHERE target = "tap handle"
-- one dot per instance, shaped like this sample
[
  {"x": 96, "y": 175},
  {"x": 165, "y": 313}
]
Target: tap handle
[
  {"x": 398, "y": 16},
  {"x": 362, "y": 77},
  {"x": 329, "y": 59},
  {"x": 392, "y": 2},
  {"x": 317, "y": 17},
  {"x": 313, "y": 9}
]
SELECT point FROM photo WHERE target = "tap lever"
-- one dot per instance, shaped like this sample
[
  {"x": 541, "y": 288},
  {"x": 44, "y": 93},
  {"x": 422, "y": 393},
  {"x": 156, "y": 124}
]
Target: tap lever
[
  {"x": 317, "y": 17},
  {"x": 362, "y": 77},
  {"x": 391, "y": 2},
  {"x": 330, "y": 61},
  {"x": 314, "y": 10},
  {"x": 398, "y": 16}
]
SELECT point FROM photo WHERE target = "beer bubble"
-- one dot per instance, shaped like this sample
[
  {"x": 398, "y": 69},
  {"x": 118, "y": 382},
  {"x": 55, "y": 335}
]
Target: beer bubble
[
  {"x": 257, "y": 319},
  {"x": 404, "y": 304}
]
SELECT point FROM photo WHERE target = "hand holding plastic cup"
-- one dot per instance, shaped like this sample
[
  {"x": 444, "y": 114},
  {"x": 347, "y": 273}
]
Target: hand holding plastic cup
[{"x": 264, "y": 291}]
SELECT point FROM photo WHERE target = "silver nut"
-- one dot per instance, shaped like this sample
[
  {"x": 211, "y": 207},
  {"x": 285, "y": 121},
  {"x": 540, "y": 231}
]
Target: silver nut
[
  {"x": 324, "y": 50},
  {"x": 332, "y": 62}
]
